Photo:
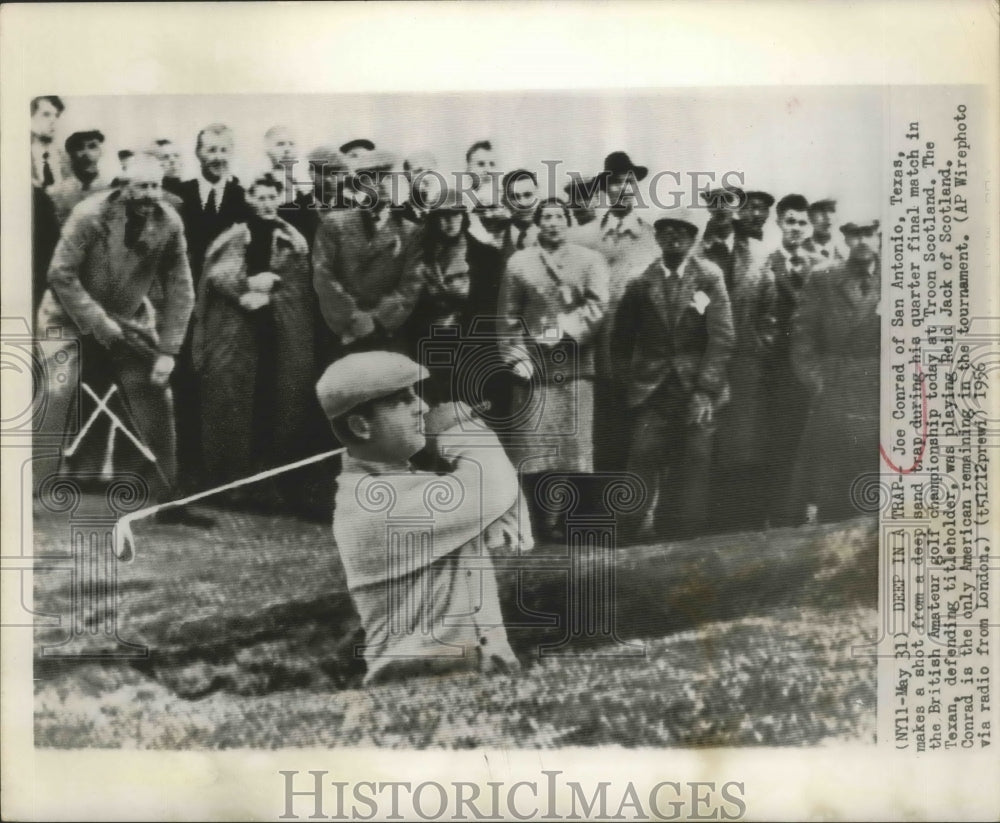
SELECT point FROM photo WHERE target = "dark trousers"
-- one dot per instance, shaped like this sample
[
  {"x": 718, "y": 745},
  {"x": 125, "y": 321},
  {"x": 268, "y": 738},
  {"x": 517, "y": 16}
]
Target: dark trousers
[{"x": 673, "y": 459}]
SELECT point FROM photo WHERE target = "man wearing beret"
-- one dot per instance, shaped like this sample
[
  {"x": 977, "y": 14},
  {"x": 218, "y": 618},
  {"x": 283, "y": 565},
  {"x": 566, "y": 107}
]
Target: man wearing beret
[
  {"x": 416, "y": 545},
  {"x": 362, "y": 263},
  {"x": 674, "y": 336},
  {"x": 835, "y": 349},
  {"x": 822, "y": 214},
  {"x": 790, "y": 267},
  {"x": 85, "y": 149}
]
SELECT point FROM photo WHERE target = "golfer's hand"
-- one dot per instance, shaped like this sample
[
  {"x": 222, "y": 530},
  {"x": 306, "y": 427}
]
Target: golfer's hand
[
  {"x": 253, "y": 300},
  {"x": 701, "y": 413},
  {"x": 162, "y": 369},
  {"x": 108, "y": 332},
  {"x": 263, "y": 282}
]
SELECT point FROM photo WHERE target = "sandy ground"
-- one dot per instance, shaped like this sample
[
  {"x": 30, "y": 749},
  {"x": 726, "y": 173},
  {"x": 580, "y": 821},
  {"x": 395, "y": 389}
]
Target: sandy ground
[{"x": 246, "y": 632}]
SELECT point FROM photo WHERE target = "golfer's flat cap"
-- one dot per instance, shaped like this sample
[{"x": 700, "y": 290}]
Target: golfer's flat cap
[{"x": 365, "y": 376}]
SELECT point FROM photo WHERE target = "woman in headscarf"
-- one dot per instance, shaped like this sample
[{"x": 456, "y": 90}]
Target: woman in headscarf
[
  {"x": 253, "y": 346},
  {"x": 552, "y": 298}
]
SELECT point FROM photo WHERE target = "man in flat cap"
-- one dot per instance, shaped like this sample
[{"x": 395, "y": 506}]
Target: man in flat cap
[
  {"x": 362, "y": 263},
  {"x": 791, "y": 267},
  {"x": 420, "y": 575},
  {"x": 354, "y": 151},
  {"x": 85, "y": 150},
  {"x": 822, "y": 213},
  {"x": 836, "y": 340},
  {"x": 624, "y": 237},
  {"x": 674, "y": 336},
  {"x": 753, "y": 214},
  {"x": 738, "y": 479}
]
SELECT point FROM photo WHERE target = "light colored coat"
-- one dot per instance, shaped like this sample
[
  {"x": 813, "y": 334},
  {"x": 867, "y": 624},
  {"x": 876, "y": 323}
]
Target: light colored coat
[{"x": 95, "y": 278}]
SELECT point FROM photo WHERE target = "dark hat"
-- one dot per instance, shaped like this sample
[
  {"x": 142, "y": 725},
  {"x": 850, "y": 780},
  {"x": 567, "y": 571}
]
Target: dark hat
[
  {"x": 360, "y": 143},
  {"x": 728, "y": 198},
  {"x": 856, "y": 229},
  {"x": 761, "y": 195},
  {"x": 827, "y": 204},
  {"x": 78, "y": 138},
  {"x": 618, "y": 162},
  {"x": 125, "y": 154}
]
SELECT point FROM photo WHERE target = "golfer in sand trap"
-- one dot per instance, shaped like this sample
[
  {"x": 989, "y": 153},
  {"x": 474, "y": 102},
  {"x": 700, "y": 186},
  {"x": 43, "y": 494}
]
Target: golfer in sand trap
[{"x": 416, "y": 544}]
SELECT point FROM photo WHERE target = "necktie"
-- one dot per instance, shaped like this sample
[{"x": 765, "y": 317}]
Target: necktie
[
  {"x": 48, "y": 178},
  {"x": 825, "y": 252},
  {"x": 521, "y": 238},
  {"x": 210, "y": 206},
  {"x": 866, "y": 285}
]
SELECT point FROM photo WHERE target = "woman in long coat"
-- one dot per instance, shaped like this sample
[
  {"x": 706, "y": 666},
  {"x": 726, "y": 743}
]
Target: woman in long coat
[
  {"x": 552, "y": 298},
  {"x": 253, "y": 343}
]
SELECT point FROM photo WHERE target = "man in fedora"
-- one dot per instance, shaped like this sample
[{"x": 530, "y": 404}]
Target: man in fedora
[
  {"x": 362, "y": 267},
  {"x": 674, "y": 335},
  {"x": 624, "y": 237}
]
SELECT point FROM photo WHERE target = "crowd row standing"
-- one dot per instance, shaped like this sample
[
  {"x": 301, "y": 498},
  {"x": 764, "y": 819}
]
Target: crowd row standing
[{"x": 738, "y": 382}]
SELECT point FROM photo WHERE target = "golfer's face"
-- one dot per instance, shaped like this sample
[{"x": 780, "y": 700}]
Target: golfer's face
[{"x": 397, "y": 423}]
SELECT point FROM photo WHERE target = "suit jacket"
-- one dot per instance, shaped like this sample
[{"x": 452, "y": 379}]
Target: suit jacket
[
  {"x": 358, "y": 274},
  {"x": 788, "y": 290},
  {"x": 201, "y": 229},
  {"x": 658, "y": 337},
  {"x": 832, "y": 252},
  {"x": 95, "y": 277}
]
